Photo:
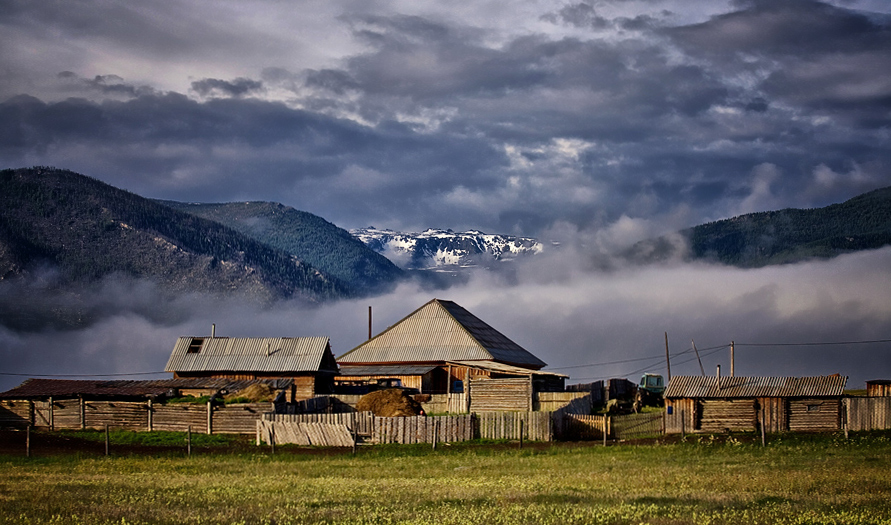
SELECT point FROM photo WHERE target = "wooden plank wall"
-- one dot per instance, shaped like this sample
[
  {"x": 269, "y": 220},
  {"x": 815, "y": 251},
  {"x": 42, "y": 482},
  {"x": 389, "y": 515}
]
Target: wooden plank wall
[
  {"x": 720, "y": 415},
  {"x": 682, "y": 418},
  {"x": 127, "y": 415},
  {"x": 812, "y": 415},
  {"x": 494, "y": 395},
  {"x": 179, "y": 417},
  {"x": 361, "y": 421},
  {"x": 238, "y": 418},
  {"x": 536, "y": 426},
  {"x": 574, "y": 427},
  {"x": 569, "y": 402},
  {"x": 15, "y": 413},
  {"x": 632, "y": 426},
  {"x": 868, "y": 413},
  {"x": 316, "y": 434}
]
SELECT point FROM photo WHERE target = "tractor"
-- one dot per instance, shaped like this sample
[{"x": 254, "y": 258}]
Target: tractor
[{"x": 649, "y": 391}]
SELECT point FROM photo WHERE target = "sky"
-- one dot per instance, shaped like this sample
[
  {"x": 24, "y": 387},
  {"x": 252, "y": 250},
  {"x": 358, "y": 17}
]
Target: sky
[{"x": 592, "y": 124}]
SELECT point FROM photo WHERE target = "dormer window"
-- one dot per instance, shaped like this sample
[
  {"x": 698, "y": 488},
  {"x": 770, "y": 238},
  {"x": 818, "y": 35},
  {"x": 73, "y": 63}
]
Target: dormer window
[{"x": 195, "y": 345}]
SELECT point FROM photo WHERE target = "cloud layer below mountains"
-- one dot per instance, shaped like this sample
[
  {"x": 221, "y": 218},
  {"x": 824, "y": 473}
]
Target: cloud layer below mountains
[{"x": 569, "y": 318}]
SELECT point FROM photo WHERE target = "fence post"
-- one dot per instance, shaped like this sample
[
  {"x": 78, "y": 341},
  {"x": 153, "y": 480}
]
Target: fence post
[
  {"x": 28, "y": 440},
  {"x": 83, "y": 413},
  {"x": 52, "y": 421},
  {"x": 151, "y": 409},
  {"x": 210, "y": 416},
  {"x": 106, "y": 439},
  {"x": 189, "y": 441},
  {"x": 521, "y": 433}
]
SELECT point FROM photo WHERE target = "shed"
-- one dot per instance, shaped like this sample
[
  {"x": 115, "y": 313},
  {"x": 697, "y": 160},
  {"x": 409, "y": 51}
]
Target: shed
[
  {"x": 440, "y": 346},
  {"x": 720, "y": 404},
  {"x": 878, "y": 388},
  {"x": 307, "y": 361}
]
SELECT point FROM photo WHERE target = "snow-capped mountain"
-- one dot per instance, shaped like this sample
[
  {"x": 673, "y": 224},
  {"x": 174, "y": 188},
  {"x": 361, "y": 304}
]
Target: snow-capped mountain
[{"x": 432, "y": 248}]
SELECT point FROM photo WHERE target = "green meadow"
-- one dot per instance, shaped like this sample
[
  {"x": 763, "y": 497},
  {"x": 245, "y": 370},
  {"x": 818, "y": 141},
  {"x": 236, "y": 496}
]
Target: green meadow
[{"x": 793, "y": 480}]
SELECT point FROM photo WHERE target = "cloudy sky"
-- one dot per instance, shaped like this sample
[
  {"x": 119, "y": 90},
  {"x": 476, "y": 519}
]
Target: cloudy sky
[{"x": 595, "y": 123}]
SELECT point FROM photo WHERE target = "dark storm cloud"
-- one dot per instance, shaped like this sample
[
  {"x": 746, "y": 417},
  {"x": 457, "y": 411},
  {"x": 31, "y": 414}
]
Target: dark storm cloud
[{"x": 235, "y": 88}]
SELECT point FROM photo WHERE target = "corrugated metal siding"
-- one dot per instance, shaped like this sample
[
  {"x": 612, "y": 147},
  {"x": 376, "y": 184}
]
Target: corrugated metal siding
[
  {"x": 285, "y": 354},
  {"x": 750, "y": 387},
  {"x": 440, "y": 331}
]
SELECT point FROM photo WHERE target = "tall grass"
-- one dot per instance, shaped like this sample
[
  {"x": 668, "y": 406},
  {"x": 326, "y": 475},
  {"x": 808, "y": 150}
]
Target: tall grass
[{"x": 824, "y": 480}]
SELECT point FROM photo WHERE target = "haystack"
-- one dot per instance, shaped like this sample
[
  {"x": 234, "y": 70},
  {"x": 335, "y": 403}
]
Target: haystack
[
  {"x": 391, "y": 402},
  {"x": 255, "y": 393}
]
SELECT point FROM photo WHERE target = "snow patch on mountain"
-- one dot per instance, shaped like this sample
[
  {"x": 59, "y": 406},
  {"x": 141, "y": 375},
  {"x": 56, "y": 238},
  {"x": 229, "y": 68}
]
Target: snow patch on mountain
[{"x": 433, "y": 248}]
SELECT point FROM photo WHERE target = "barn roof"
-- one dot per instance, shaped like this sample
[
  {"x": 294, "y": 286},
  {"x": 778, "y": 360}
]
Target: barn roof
[
  {"x": 385, "y": 370},
  {"x": 502, "y": 368},
  {"x": 252, "y": 354},
  {"x": 440, "y": 331},
  {"x": 41, "y": 388},
  {"x": 726, "y": 387}
]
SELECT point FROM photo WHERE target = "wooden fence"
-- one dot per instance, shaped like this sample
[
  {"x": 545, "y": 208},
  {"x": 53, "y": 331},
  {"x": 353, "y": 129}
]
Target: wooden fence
[
  {"x": 77, "y": 413},
  {"x": 533, "y": 426},
  {"x": 633, "y": 426},
  {"x": 868, "y": 413}
]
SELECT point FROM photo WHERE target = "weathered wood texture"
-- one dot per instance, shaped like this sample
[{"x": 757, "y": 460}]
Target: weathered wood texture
[
  {"x": 535, "y": 426},
  {"x": 128, "y": 415},
  {"x": 179, "y": 417},
  {"x": 360, "y": 421},
  {"x": 496, "y": 395},
  {"x": 775, "y": 414},
  {"x": 633, "y": 426},
  {"x": 680, "y": 416},
  {"x": 814, "y": 415},
  {"x": 421, "y": 429},
  {"x": 16, "y": 413},
  {"x": 868, "y": 413},
  {"x": 316, "y": 434},
  {"x": 575, "y": 427},
  {"x": 238, "y": 418},
  {"x": 721, "y": 415},
  {"x": 569, "y": 402}
]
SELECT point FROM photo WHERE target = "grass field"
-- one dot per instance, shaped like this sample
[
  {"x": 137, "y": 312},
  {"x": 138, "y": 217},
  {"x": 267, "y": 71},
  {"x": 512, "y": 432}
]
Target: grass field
[{"x": 794, "y": 480}]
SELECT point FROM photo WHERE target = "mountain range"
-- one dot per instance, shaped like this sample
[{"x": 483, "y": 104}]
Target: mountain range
[
  {"x": 438, "y": 249},
  {"x": 780, "y": 237},
  {"x": 68, "y": 231}
]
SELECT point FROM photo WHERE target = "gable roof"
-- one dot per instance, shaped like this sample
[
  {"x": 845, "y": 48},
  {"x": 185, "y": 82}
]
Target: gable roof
[
  {"x": 724, "y": 387},
  {"x": 441, "y": 331},
  {"x": 252, "y": 354}
]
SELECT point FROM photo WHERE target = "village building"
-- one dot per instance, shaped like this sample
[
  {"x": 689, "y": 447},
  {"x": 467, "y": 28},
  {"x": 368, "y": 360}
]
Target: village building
[
  {"x": 307, "y": 362},
  {"x": 878, "y": 388},
  {"x": 439, "y": 348},
  {"x": 711, "y": 404}
]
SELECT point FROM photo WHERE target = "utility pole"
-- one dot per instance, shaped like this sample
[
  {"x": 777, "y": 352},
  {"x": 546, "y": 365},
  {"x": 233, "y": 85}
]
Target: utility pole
[
  {"x": 667, "y": 359},
  {"x": 697, "y": 358}
]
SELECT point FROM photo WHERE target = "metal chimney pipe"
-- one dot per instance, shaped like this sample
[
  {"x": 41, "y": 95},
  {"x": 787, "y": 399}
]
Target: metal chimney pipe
[
  {"x": 369, "y": 323},
  {"x": 719, "y": 371},
  {"x": 213, "y": 330}
]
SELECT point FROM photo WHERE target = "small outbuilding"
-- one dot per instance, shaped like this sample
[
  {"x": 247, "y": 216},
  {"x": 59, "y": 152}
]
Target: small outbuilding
[
  {"x": 720, "y": 404},
  {"x": 307, "y": 361},
  {"x": 878, "y": 388}
]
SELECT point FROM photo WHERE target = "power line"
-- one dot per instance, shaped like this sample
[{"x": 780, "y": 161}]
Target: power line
[
  {"x": 82, "y": 375},
  {"x": 817, "y": 344}
]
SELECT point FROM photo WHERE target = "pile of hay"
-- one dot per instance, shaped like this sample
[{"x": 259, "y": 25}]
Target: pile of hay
[
  {"x": 256, "y": 393},
  {"x": 391, "y": 402}
]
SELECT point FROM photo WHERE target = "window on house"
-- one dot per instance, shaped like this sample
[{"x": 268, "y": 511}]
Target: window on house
[{"x": 195, "y": 345}]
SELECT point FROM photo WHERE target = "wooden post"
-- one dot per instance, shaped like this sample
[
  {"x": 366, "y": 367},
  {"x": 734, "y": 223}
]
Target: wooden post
[
  {"x": 683, "y": 424},
  {"x": 210, "y": 416},
  {"x": 28, "y": 440},
  {"x": 151, "y": 410},
  {"x": 272, "y": 437},
  {"x": 763, "y": 431},
  {"x": 521, "y": 433},
  {"x": 83, "y": 413},
  {"x": 106, "y": 439},
  {"x": 52, "y": 421},
  {"x": 435, "y": 432},
  {"x": 189, "y": 441},
  {"x": 605, "y": 429}
]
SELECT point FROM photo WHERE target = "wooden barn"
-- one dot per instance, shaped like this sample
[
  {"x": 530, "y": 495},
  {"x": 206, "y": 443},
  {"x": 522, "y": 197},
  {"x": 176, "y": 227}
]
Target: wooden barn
[
  {"x": 720, "y": 404},
  {"x": 306, "y": 361},
  {"x": 439, "y": 348}
]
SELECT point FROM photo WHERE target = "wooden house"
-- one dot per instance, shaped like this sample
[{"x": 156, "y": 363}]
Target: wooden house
[
  {"x": 720, "y": 404},
  {"x": 439, "y": 348},
  {"x": 307, "y": 361}
]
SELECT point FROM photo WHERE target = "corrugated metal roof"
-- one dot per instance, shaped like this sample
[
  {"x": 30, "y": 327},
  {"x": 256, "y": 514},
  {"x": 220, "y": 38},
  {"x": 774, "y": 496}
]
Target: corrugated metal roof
[
  {"x": 440, "y": 331},
  {"x": 385, "y": 370},
  {"x": 243, "y": 354},
  {"x": 506, "y": 369},
  {"x": 41, "y": 388},
  {"x": 726, "y": 387}
]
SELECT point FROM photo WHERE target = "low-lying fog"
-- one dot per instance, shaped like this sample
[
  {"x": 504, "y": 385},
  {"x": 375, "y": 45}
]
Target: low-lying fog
[{"x": 589, "y": 324}]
